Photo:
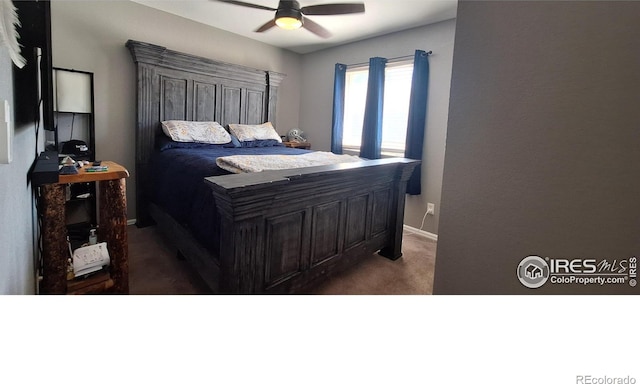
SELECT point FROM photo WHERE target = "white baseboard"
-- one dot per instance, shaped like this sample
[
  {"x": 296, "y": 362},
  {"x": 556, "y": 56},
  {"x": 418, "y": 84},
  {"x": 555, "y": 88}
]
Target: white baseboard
[
  {"x": 419, "y": 232},
  {"x": 131, "y": 222}
]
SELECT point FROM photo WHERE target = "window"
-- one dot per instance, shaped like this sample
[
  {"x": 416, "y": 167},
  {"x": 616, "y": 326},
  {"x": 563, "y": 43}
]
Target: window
[{"x": 397, "y": 91}]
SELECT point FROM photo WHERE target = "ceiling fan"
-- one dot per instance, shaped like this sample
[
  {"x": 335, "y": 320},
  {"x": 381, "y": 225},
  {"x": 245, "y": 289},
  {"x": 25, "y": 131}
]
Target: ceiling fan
[{"x": 289, "y": 14}]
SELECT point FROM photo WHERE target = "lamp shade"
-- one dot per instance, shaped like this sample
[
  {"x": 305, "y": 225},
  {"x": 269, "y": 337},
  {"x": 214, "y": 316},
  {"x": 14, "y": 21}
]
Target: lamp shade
[{"x": 72, "y": 91}]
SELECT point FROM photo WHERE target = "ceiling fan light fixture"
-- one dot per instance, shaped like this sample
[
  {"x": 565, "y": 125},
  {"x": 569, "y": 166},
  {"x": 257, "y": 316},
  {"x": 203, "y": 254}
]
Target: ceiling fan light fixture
[
  {"x": 288, "y": 23},
  {"x": 290, "y": 16},
  {"x": 288, "y": 19}
]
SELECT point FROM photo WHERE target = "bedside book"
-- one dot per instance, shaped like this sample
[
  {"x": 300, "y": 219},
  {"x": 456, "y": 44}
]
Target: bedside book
[{"x": 99, "y": 168}]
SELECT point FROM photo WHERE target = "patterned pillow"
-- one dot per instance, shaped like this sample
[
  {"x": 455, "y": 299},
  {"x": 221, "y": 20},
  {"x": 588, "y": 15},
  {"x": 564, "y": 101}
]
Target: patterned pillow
[
  {"x": 209, "y": 132},
  {"x": 254, "y": 132}
]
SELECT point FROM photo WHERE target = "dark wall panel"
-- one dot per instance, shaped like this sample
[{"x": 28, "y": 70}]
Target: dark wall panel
[
  {"x": 173, "y": 96},
  {"x": 325, "y": 236},
  {"x": 381, "y": 201},
  {"x": 231, "y": 107},
  {"x": 255, "y": 107},
  {"x": 356, "y": 231},
  {"x": 204, "y": 102},
  {"x": 284, "y": 246}
]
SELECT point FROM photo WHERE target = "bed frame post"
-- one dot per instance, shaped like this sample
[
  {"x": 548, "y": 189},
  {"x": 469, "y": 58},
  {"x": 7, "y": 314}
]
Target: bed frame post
[
  {"x": 273, "y": 79},
  {"x": 147, "y": 111},
  {"x": 394, "y": 250}
]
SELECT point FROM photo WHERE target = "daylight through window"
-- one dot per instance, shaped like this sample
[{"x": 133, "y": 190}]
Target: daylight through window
[{"x": 397, "y": 91}]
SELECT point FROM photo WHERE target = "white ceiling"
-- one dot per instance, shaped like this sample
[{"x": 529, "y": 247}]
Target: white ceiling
[{"x": 381, "y": 17}]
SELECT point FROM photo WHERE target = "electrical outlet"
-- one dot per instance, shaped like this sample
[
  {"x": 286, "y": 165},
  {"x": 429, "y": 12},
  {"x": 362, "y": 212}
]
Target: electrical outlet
[{"x": 431, "y": 209}]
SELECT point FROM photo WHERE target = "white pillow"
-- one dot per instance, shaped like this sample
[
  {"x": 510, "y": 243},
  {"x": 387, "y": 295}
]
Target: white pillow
[
  {"x": 209, "y": 132},
  {"x": 254, "y": 132}
]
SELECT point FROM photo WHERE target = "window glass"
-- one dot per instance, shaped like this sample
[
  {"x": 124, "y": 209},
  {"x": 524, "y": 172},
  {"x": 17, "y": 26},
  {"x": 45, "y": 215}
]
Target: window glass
[
  {"x": 355, "y": 97},
  {"x": 396, "y": 107}
]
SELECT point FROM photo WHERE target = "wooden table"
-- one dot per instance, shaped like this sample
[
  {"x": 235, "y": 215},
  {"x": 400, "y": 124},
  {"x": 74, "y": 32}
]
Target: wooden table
[{"x": 112, "y": 229}]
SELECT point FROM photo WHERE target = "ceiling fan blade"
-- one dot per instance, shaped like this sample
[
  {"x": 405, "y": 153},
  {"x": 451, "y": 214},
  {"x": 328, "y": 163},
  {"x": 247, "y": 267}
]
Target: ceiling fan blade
[
  {"x": 242, "y": 3},
  {"x": 315, "y": 28},
  {"x": 268, "y": 25},
  {"x": 332, "y": 9}
]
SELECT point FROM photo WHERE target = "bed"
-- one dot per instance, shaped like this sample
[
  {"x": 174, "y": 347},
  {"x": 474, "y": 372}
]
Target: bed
[{"x": 277, "y": 231}]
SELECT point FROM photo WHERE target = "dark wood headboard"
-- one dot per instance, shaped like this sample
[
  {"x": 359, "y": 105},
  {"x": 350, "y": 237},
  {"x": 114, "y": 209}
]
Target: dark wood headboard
[{"x": 177, "y": 86}]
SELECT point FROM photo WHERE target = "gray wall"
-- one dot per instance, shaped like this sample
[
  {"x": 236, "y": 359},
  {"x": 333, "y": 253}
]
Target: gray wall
[
  {"x": 317, "y": 95},
  {"x": 90, "y": 36},
  {"x": 17, "y": 275},
  {"x": 543, "y": 143}
]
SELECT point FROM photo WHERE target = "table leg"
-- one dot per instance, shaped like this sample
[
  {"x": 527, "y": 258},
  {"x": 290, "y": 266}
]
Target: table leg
[{"x": 113, "y": 230}]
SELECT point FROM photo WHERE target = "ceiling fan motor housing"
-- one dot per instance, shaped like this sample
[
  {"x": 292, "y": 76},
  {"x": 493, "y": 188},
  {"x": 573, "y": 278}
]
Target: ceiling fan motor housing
[
  {"x": 284, "y": 12},
  {"x": 289, "y": 5},
  {"x": 289, "y": 9}
]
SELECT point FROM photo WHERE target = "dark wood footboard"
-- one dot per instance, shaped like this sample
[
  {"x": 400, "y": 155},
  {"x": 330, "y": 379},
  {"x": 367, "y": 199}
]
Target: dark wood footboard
[{"x": 285, "y": 231}]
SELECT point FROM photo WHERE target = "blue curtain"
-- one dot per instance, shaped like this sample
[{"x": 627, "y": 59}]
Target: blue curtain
[
  {"x": 372, "y": 127},
  {"x": 338, "y": 108},
  {"x": 417, "y": 117}
]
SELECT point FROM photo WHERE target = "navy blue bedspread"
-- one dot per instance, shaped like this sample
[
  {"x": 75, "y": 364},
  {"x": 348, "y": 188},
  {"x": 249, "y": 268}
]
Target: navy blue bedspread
[{"x": 177, "y": 185}]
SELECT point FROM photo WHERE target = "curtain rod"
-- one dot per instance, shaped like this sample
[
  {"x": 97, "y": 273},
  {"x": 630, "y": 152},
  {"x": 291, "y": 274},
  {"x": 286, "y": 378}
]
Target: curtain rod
[{"x": 388, "y": 60}]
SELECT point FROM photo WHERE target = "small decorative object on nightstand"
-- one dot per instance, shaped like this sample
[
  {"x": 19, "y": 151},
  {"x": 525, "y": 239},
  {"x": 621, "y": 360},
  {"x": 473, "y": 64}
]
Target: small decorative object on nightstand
[
  {"x": 294, "y": 144},
  {"x": 297, "y": 139},
  {"x": 296, "y": 135}
]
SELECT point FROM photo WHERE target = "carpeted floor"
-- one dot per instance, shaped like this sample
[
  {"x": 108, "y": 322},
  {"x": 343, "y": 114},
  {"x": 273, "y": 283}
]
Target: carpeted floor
[{"x": 154, "y": 270}]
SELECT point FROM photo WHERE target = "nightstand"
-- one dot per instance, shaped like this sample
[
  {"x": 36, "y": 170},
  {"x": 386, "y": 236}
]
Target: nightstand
[
  {"x": 112, "y": 229},
  {"x": 294, "y": 144}
]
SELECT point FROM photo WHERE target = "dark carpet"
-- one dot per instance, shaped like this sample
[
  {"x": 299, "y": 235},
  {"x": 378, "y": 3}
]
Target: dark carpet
[{"x": 155, "y": 270}]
